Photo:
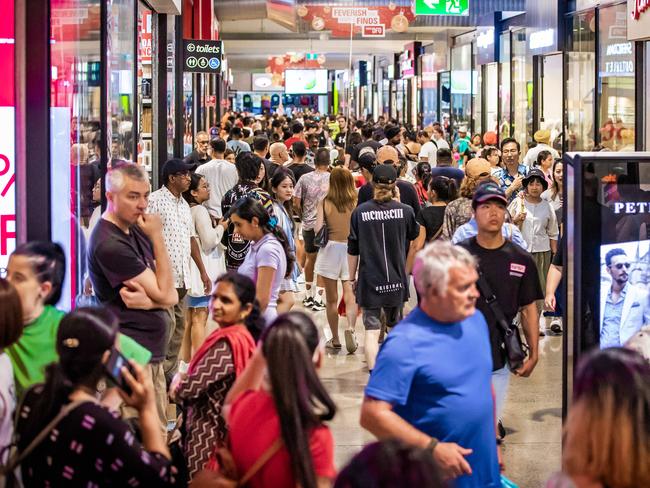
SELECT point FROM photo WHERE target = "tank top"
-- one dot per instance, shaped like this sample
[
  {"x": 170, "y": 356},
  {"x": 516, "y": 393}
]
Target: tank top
[{"x": 338, "y": 224}]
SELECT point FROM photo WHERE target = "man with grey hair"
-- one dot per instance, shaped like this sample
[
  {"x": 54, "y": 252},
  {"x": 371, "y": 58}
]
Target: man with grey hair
[
  {"x": 432, "y": 384},
  {"x": 131, "y": 272},
  {"x": 200, "y": 154}
]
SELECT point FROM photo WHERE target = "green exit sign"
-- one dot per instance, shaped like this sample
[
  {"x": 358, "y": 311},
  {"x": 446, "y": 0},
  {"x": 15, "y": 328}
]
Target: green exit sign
[{"x": 441, "y": 7}]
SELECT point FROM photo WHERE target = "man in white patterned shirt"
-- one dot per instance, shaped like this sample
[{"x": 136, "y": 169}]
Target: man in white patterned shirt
[{"x": 179, "y": 236}]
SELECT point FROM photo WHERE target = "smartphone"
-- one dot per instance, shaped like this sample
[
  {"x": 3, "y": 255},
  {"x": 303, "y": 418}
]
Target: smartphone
[{"x": 114, "y": 370}]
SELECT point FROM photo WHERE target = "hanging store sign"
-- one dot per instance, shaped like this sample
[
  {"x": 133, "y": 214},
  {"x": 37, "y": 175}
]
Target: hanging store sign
[
  {"x": 638, "y": 20},
  {"x": 340, "y": 20},
  {"x": 202, "y": 56},
  {"x": 485, "y": 52},
  {"x": 146, "y": 37},
  {"x": 374, "y": 31},
  {"x": 441, "y": 7},
  {"x": 541, "y": 39}
]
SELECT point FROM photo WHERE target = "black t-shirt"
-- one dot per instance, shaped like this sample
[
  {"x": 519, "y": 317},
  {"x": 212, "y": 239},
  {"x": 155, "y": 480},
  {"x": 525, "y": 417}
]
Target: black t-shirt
[
  {"x": 236, "y": 246},
  {"x": 431, "y": 219},
  {"x": 195, "y": 158},
  {"x": 511, "y": 273},
  {"x": 271, "y": 168},
  {"x": 407, "y": 195},
  {"x": 113, "y": 258},
  {"x": 354, "y": 155},
  {"x": 379, "y": 233},
  {"x": 299, "y": 170},
  {"x": 454, "y": 173},
  {"x": 339, "y": 140}
]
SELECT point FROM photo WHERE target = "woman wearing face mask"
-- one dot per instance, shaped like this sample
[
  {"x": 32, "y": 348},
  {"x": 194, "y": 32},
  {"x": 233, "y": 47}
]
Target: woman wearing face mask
[
  {"x": 87, "y": 445},
  {"x": 290, "y": 405},
  {"x": 214, "y": 367},
  {"x": 36, "y": 269},
  {"x": 282, "y": 185},
  {"x": 269, "y": 259},
  {"x": 209, "y": 239}
]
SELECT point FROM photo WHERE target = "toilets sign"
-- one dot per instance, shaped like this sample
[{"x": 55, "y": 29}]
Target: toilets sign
[{"x": 202, "y": 56}]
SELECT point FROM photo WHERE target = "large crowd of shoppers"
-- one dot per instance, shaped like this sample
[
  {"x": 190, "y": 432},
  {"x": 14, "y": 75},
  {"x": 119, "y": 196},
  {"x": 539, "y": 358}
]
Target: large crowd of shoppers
[{"x": 196, "y": 366}]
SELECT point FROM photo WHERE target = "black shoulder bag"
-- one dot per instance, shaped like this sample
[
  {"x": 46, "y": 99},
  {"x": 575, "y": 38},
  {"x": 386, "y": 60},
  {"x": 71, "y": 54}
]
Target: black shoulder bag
[{"x": 516, "y": 350}]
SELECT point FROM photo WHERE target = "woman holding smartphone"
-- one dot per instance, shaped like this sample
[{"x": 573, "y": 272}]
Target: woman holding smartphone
[{"x": 88, "y": 446}]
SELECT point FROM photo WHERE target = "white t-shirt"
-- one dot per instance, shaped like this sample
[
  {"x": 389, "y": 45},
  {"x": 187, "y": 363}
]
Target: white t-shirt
[
  {"x": 442, "y": 143},
  {"x": 221, "y": 176},
  {"x": 429, "y": 150},
  {"x": 7, "y": 402}
]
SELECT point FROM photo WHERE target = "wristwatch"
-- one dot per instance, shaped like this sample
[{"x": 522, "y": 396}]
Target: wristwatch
[{"x": 432, "y": 444}]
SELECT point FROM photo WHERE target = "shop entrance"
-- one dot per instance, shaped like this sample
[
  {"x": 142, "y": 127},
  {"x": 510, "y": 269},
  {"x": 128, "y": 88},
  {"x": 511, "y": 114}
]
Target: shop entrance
[{"x": 549, "y": 90}]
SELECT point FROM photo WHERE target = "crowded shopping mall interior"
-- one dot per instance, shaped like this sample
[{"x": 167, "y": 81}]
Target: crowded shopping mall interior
[{"x": 338, "y": 243}]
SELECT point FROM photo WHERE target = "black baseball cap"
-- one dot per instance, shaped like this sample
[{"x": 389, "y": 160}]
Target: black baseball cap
[
  {"x": 367, "y": 160},
  {"x": 384, "y": 173},
  {"x": 175, "y": 166},
  {"x": 486, "y": 191}
]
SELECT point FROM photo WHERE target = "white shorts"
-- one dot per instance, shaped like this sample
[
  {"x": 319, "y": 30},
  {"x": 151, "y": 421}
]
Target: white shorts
[{"x": 332, "y": 261}]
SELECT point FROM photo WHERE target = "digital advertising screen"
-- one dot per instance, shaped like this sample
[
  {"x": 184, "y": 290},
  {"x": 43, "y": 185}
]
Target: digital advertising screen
[
  {"x": 305, "y": 82},
  {"x": 608, "y": 242}
]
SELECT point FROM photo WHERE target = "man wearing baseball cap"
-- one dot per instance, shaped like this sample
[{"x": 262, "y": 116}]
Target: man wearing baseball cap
[
  {"x": 381, "y": 246},
  {"x": 511, "y": 273},
  {"x": 179, "y": 235},
  {"x": 407, "y": 193}
]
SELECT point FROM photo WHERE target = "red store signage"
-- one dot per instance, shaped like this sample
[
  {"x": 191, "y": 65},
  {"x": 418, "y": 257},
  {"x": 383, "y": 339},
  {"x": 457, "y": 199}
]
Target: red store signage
[{"x": 638, "y": 20}]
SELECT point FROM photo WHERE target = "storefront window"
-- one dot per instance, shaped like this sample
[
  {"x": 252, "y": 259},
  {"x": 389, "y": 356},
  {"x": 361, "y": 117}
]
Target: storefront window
[
  {"x": 522, "y": 83},
  {"x": 171, "y": 79},
  {"x": 120, "y": 32},
  {"x": 477, "y": 84},
  {"x": 445, "y": 98},
  {"x": 461, "y": 86},
  {"x": 504, "y": 87},
  {"x": 145, "y": 84},
  {"x": 188, "y": 113},
  {"x": 615, "y": 81},
  {"x": 429, "y": 90},
  {"x": 581, "y": 59},
  {"x": 491, "y": 82},
  {"x": 75, "y": 141}
]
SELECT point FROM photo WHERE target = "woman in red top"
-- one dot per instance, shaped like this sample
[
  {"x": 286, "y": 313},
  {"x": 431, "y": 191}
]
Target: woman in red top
[
  {"x": 290, "y": 404},
  {"x": 422, "y": 175}
]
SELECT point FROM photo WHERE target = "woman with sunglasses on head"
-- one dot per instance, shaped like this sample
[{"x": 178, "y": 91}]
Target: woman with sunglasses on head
[
  {"x": 86, "y": 444},
  {"x": 214, "y": 367},
  {"x": 209, "y": 238},
  {"x": 280, "y": 397},
  {"x": 269, "y": 259}
]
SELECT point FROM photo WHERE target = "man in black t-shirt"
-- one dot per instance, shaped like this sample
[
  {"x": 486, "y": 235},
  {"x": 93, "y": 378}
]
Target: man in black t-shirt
[
  {"x": 377, "y": 245},
  {"x": 299, "y": 166},
  {"x": 407, "y": 194},
  {"x": 366, "y": 132},
  {"x": 512, "y": 275},
  {"x": 131, "y": 271}
]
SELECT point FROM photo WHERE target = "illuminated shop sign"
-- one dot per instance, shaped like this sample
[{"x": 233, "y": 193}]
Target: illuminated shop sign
[{"x": 541, "y": 39}]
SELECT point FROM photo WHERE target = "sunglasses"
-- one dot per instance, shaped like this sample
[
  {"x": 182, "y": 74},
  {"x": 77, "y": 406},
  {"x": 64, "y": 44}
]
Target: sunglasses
[{"x": 620, "y": 265}]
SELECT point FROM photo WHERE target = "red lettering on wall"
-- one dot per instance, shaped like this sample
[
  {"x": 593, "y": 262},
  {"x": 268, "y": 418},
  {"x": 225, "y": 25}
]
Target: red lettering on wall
[
  {"x": 640, "y": 6},
  {"x": 5, "y": 232}
]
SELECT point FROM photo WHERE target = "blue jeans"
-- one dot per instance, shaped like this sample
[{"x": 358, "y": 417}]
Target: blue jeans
[{"x": 500, "y": 381}]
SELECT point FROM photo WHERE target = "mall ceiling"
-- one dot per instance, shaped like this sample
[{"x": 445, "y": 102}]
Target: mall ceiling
[{"x": 253, "y": 30}]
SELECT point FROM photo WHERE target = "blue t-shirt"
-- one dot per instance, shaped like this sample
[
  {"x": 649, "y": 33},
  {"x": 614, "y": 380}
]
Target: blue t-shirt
[{"x": 438, "y": 377}]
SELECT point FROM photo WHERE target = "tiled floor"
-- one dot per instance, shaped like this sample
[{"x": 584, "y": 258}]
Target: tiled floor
[{"x": 532, "y": 414}]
